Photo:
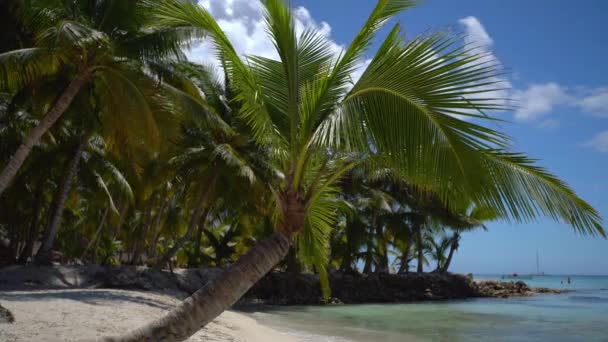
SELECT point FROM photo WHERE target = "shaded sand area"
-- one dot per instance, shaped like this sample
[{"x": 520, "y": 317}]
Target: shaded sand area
[{"x": 85, "y": 314}]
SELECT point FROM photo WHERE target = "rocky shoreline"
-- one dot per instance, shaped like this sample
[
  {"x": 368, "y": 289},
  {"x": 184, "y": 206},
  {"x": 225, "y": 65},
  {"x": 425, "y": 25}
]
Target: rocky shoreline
[{"x": 277, "y": 288}]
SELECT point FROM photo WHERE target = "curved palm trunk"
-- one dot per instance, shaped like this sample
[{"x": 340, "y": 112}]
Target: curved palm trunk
[
  {"x": 195, "y": 218},
  {"x": 94, "y": 239},
  {"x": 404, "y": 266},
  {"x": 64, "y": 101},
  {"x": 420, "y": 249},
  {"x": 156, "y": 228},
  {"x": 213, "y": 298},
  {"x": 293, "y": 266},
  {"x": 137, "y": 248},
  {"x": 44, "y": 253},
  {"x": 453, "y": 247},
  {"x": 382, "y": 265},
  {"x": 198, "y": 254},
  {"x": 26, "y": 253}
]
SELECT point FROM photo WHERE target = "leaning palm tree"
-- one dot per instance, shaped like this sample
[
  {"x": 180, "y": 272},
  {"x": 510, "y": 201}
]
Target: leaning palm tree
[
  {"x": 469, "y": 218},
  {"x": 318, "y": 125},
  {"x": 98, "y": 44}
]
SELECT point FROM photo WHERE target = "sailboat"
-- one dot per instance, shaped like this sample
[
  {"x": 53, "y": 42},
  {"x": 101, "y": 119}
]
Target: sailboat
[
  {"x": 526, "y": 276},
  {"x": 538, "y": 272}
]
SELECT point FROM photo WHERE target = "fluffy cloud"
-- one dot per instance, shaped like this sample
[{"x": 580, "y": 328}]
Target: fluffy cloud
[
  {"x": 599, "y": 142},
  {"x": 538, "y": 100},
  {"x": 476, "y": 34},
  {"x": 480, "y": 42},
  {"x": 243, "y": 23},
  {"x": 596, "y": 103}
]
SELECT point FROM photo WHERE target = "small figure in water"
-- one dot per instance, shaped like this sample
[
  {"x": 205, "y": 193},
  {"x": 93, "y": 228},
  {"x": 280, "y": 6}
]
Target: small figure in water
[
  {"x": 562, "y": 282},
  {"x": 568, "y": 280}
]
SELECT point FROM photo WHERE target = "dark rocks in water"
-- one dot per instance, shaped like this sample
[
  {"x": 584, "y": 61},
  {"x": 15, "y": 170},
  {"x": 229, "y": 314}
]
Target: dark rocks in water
[
  {"x": 279, "y": 288},
  {"x": 502, "y": 289},
  {"x": 353, "y": 288},
  {"x": 5, "y": 315}
]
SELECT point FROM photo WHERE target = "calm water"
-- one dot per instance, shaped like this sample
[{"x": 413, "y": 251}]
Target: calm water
[{"x": 577, "y": 316}]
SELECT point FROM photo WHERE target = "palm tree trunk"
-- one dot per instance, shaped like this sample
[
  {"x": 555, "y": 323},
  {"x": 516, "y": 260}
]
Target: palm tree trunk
[
  {"x": 213, "y": 298},
  {"x": 420, "y": 249},
  {"x": 404, "y": 267},
  {"x": 26, "y": 253},
  {"x": 44, "y": 253},
  {"x": 196, "y": 214},
  {"x": 382, "y": 264},
  {"x": 293, "y": 266},
  {"x": 156, "y": 228},
  {"x": 62, "y": 104},
  {"x": 94, "y": 239},
  {"x": 137, "y": 248},
  {"x": 197, "y": 243},
  {"x": 453, "y": 247}
]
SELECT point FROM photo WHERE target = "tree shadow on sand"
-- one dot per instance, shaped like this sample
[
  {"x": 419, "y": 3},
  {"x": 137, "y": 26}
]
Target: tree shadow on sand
[{"x": 92, "y": 297}]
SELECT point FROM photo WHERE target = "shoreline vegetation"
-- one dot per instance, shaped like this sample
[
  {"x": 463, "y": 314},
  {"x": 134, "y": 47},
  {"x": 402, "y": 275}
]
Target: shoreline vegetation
[
  {"x": 276, "y": 288},
  {"x": 115, "y": 149}
]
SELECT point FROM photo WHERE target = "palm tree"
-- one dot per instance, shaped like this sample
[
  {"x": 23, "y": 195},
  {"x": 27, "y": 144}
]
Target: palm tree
[
  {"x": 438, "y": 248},
  {"x": 98, "y": 44},
  {"x": 318, "y": 126},
  {"x": 472, "y": 217}
]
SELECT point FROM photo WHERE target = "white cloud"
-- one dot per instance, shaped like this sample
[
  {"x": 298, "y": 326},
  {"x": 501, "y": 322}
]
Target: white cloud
[
  {"x": 476, "y": 34},
  {"x": 599, "y": 142},
  {"x": 243, "y": 22},
  {"x": 478, "y": 41},
  {"x": 539, "y": 100},
  {"x": 596, "y": 103}
]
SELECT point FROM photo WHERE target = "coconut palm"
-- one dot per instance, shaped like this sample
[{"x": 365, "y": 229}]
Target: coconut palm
[
  {"x": 98, "y": 44},
  {"x": 471, "y": 217},
  {"x": 318, "y": 125}
]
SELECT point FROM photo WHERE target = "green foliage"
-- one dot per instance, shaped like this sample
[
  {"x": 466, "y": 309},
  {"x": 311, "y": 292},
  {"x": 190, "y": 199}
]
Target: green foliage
[{"x": 404, "y": 151}]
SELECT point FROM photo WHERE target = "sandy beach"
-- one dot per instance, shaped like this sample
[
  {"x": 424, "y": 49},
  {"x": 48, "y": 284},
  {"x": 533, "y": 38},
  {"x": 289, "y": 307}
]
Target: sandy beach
[{"x": 85, "y": 314}]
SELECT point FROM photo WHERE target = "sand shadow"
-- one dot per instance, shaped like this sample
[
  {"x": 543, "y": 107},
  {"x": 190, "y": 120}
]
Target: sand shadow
[{"x": 96, "y": 297}]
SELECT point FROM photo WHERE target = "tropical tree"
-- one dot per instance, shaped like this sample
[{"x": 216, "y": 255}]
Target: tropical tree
[
  {"x": 318, "y": 125},
  {"x": 471, "y": 217},
  {"x": 103, "y": 45}
]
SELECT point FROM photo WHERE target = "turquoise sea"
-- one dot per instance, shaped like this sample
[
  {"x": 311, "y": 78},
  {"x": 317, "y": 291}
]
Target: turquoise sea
[{"x": 576, "y": 316}]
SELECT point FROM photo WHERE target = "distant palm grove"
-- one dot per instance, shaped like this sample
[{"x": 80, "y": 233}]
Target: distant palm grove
[{"x": 117, "y": 150}]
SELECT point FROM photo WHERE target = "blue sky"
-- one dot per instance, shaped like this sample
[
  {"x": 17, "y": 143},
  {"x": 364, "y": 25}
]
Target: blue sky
[{"x": 555, "y": 52}]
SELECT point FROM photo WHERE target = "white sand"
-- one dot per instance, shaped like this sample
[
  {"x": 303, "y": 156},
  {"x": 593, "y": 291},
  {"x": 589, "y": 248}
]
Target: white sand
[{"x": 77, "y": 315}]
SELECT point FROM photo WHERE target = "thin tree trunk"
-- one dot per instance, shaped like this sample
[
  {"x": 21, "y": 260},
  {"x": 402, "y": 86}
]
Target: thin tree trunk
[
  {"x": 382, "y": 264},
  {"x": 453, "y": 247},
  {"x": 216, "y": 296},
  {"x": 102, "y": 223},
  {"x": 142, "y": 240},
  {"x": 156, "y": 227},
  {"x": 293, "y": 266},
  {"x": 121, "y": 219},
  {"x": 44, "y": 253},
  {"x": 420, "y": 249},
  {"x": 369, "y": 256},
  {"x": 62, "y": 104},
  {"x": 196, "y": 214},
  {"x": 405, "y": 256},
  {"x": 197, "y": 243},
  {"x": 26, "y": 253}
]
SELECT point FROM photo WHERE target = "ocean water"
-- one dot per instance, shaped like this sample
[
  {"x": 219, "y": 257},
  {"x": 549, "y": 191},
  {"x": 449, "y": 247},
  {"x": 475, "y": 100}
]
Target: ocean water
[{"x": 576, "y": 316}]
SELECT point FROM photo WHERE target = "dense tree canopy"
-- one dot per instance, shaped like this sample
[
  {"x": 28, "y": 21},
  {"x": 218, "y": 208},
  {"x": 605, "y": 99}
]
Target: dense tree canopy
[{"x": 116, "y": 150}]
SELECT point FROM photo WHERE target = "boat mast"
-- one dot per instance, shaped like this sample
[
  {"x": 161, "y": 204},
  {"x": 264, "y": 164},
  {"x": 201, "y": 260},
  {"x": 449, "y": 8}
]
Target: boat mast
[{"x": 537, "y": 265}]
